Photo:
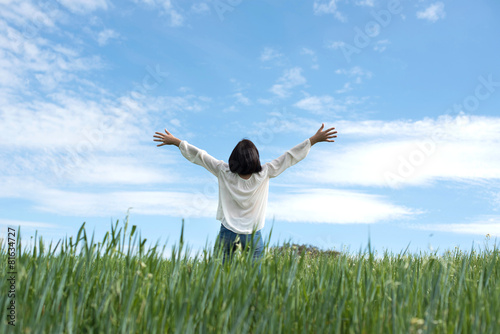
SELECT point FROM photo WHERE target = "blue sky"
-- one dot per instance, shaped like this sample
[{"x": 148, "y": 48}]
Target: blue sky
[{"x": 413, "y": 88}]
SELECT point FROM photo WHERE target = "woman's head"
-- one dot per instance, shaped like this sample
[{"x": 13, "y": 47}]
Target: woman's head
[{"x": 245, "y": 158}]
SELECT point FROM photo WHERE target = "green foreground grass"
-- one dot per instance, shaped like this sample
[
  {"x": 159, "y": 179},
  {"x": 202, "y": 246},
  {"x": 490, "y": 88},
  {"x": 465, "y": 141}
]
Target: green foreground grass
[{"x": 118, "y": 286}]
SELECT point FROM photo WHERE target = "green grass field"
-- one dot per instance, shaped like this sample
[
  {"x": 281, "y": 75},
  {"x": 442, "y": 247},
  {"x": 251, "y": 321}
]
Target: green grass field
[{"x": 117, "y": 286}]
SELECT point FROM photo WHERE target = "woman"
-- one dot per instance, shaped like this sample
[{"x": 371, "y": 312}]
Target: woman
[{"x": 244, "y": 185}]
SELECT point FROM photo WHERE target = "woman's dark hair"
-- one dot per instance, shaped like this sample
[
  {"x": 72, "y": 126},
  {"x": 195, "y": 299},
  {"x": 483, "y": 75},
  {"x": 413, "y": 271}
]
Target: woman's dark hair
[{"x": 245, "y": 158}]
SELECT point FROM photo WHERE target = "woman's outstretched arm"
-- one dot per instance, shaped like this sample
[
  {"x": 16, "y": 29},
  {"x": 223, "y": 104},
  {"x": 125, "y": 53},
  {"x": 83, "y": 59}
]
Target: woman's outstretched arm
[
  {"x": 190, "y": 152},
  {"x": 299, "y": 152}
]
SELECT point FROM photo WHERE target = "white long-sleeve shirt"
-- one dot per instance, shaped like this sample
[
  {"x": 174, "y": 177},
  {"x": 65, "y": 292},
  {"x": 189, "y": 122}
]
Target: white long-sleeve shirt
[{"x": 243, "y": 203}]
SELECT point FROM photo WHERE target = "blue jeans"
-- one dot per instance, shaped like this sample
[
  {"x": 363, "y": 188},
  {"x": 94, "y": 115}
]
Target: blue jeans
[{"x": 228, "y": 240}]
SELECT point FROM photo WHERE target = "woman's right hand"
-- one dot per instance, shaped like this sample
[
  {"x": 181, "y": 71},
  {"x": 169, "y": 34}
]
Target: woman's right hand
[{"x": 323, "y": 135}]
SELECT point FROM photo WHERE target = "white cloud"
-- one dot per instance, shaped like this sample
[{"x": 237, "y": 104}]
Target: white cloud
[
  {"x": 104, "y": 36},
  {"x": 269, "y": 54},
  {"x": 319, "y": 104},
  {"x": 231, "y": 108},
  {"x": 168, "y": 203},
  {"x": 488, "y": 225},
  {"x": 64, "y": 122},
  {"x": 175, "y": 122},
  {"x": 326, "y": 104},
  {"x": 308, "y": 52},
  {"x": 57, "y": 133},
  {"x": 123, "y": 170},
  {"x": 78, "y": 141},
  {"x": 37, "y": 60},
  {"x": 81, "y": 166},
  {"x": 346, "y": 88},
  {"x": 368, "y": 3},
  {"x": 265, "y": 101},
  {"x": 496, "y": 199},
  {"x": 176, "y": 19},
  {"x": 28, "y": 228},
  {"x": 336, "y": 45},
  {"x": 355, "y": 71},
  {"x": 356, "y": 74},
  {"x": 452, "y": 128},
  {"x": 334, "y": 207},
  {"x": 314, "y": 58},
  {"x": 242, "y": 99},
  {"x": 381, "y": 46},
  {"x": 200, "y": 8},
  {"x": 23, "y": 223},
  {"x": 277, "y": 122},
  {"x": 321, "y": 7},
  {"x": 312, "y": 205},
  {"x": 432, "y": 13},
  {"x": 47, "y": 198},
  {"x": 185, "y": 89},
  {"x": 290, "y": 79},
  {"x": 75, "y": 134},
  {"x": 84, "y": 6},
  {"x": 166, "y": 7},
  {"x": 30, "y": 17},
  {"x": 410, "y": 153}
]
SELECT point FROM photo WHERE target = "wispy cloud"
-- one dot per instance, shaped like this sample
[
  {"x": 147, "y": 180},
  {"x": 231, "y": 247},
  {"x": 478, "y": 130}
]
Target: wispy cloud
[
  {"x": 320, "y": 104},
  {"x": 381, "y": 45},
  {"x": 335, "y": 45},
  {"x": 495, "y": 199},
  {"x": 355, "y": 74},
  {"x": 200, "y": 8},
  {"x": 126, "y": 170},
  {"x": 35, "y": 62},
  {"x": 84, "y": 6},
  {"x": 81, "y": 141},
  {"x": 432, "y": 13},
  {"x": 271, "y": 57},
  {"x": 328, "y": 105},
  {"x": 321, "y": 7},
  {"x": 242, "y": 99},
  {"x": 290, "y": 79},
  {"x": 355, "y": 71},
  {"x": 176, "y": 19},
  {"x": 166, "y": 8},
  {"x": 368, "y": 3},
  {"x": 269, "y": 54},
  {"x": 29, "y": 16},
  {"x": 314, "y": 58},
  {"x": 168, "y": 203},
  {"x": 487, "y": 225},
  {"x": 23, "y": 223},
  {"x": 105, "y": 35}
]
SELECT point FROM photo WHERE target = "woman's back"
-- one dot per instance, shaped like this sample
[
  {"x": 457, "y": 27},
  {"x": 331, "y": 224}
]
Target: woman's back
[{"x": 243, "y": 202}]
